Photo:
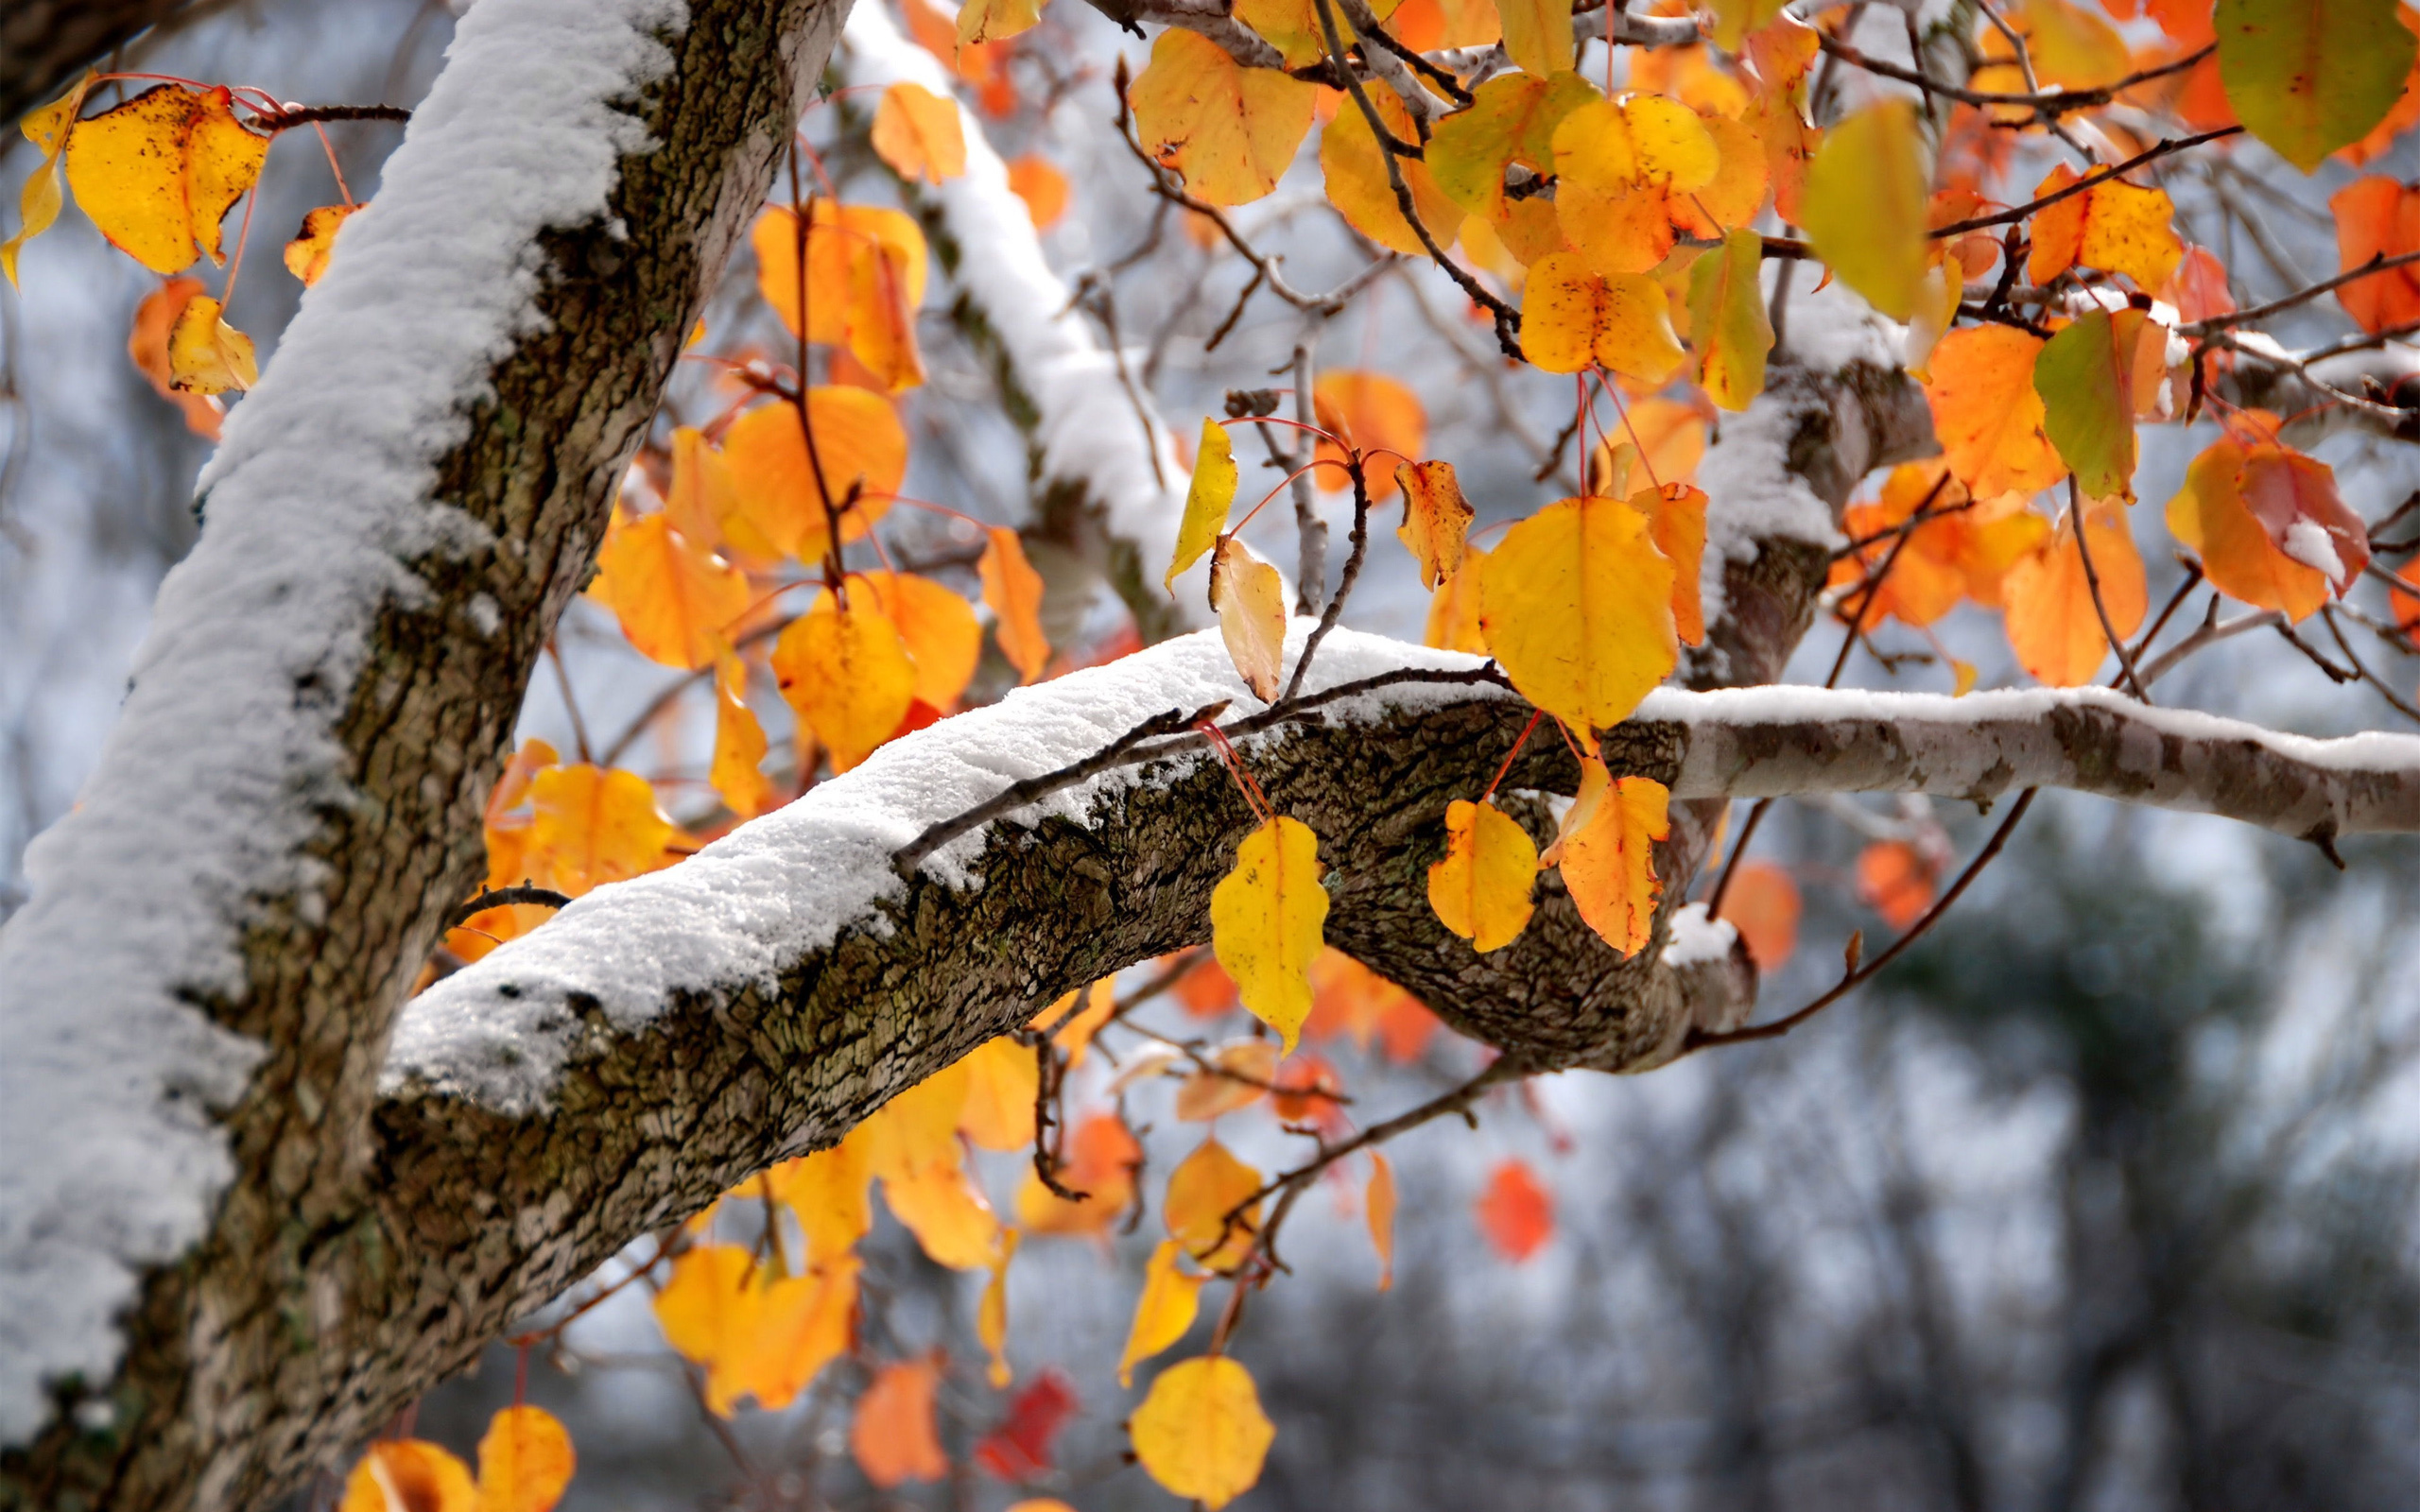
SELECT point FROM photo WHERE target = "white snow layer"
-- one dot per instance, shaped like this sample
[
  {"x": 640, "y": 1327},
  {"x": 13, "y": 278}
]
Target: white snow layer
[
  {"x": 316, "y": 507},
  {"x": 1697, "y": 940},
  {"x": 789, "y": 883},
  {"x": 1089, "y": 431}
]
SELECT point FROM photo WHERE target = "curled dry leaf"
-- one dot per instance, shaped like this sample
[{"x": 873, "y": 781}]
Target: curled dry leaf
[
  {"x": 1248, "y": 597},
  {"x": 206, "y": 355},
  {"x": 39, "y": 202},
  {"x": 307, "y": 254},
  {"x": 1436, "y": 518},
  {"x": 146, "y": 346}
]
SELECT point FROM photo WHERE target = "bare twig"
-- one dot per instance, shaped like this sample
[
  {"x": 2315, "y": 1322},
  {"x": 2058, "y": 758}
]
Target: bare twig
[{"x": 503, "y": 897}]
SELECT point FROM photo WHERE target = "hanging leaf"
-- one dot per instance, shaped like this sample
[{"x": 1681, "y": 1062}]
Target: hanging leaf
[
  {"x": 1762, "y": 903},
  {"x": 1001, "y": 1080},
  {"x": 838, "y": 236},
  {"x": 206, "y": 355},
  {"x": 1436, "y": 518},
  {"x": 1515, "y": 1213},
  {"x": 1608, "y": 863},
  {"x": 1103, "y": 1155},
  {"x": 413, "y": 1474},
  {"x": 847, "y": 672},
  {"x": 1169, "y": 1303},
  {"x": 1676, "y": 523},
  {"x": 2375, "y": 216},
  {"x": 1354, "y": 168},
  {"x": 159, "y": 172},
  {"x": 1044, "y": 190},
  {"x": 307, "y": 254},
  {"x": 2209, "y": 514},
  {"x": 2294, "y": 498},
  {"x": 1727, "y": 320},
  {"x": 525, "y": 1461},
  {"x": 1206, "y": 500},
  {"x": 991, "y": 1323},
  {"x": 1227, "y": 130},
  {"x": 918, "y": 133},
  {"x": 737, "y": 774},
  {"x": 1510, "y": 120},
  {"x": 1248, "y": 1066},
  {"x": 1621, "y": 167},
  {"x": 592, "y": 826},
  {"x": 1864, "y": 209},
  {"x": 756, "y": 1337},
  {"x": 983, "y": 20},
  {"x": 1452, "y": 609},
  {"x": 1266, "y": 918},
  {"x": 783, "y": 487},
  {"x": 2307, "y": 76},
  {"x": 1576, "y": 604},
  {"x": 948, "y": 1212},
  {"x": 1204, "y": 1189},
  {"x": 1200, "y": 1433},
  {"x": 827, "y": 1190},
  {"x": 1481, "y": 889},
  {"x": 1573, "y": 318},
  {"x": 39, "y": 202},
  {"x": 2051, "y": 622},
  {"x": 2085, "y": 376},
  {"x": 1378, "y": 1208},
  {"x": 936, "y": 627},
  {"x": 1248, "y": 597},
  {"x": 1013, "y": 592},
  {"x": 1374, "y": 414},
  {"x": 1019, "y": 1449},
  {"x": 674, "y": 599},
  {"x": 1895, "y": 879},
  {"x": 917, "y": 1128},
  {"x": 1988, "y": 414},
  {"x": 2112, "y": 226},
  {"x": 146, "y": 346},
  {"x": 1537, "y": 35},
  {"x": 891, "y": 1438}
]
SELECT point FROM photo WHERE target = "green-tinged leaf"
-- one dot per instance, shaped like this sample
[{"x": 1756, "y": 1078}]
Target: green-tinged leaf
[
  {"x": 1206, "y": 501},
  {"x": 1865, "y": 202},
  {"x": 1727, "y": 320},
  {"x": 1511, "y": 119},
  {"x": 2084, "y": 376},
  {"x": 2307, "y": 76}
]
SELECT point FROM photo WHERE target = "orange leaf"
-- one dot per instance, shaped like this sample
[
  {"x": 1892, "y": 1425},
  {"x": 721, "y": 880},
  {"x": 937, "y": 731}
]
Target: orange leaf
[
  {"x": 1572, "y": 319},
  {"x": 1676, "y": 523},
  {"x": 1609, "y": 865},
  {"x": 1622, "y": 166},
  {"x": 1013, "y": 589},
  {"x": 2112, "y": 226},
  {"x": 837, "y": 237},
  {"x": 674, "y": 598},
  {"x": 307, "y": 254},
  {"x": 2294, "y": 498},
  {"x": 1374, "y": 414},
  {"x": 1510, "y": 120},
  {"x": 1762, "y": 904},
  {"x": 918, "y": 1127},
  {"x": 1204, "y": 1189},
  {"x": 827, "y": 1190},
  {"x": 592, "y": 826},
  {"x": 1378, "y": 1206},
  {"x": 2209, "y": 514},
  {"x": 1249, "y": 1064},
  {"x": 2052, "y": 623},
  {"x": 159, "y": 172},
  {"x": 737, "y": 773},
  {"x": 1895, "y": 878},
  {"x": 1436, "y": 518},
  {"x": 848, "y": 673},
  {"x": 991, "y": 1315},
  {"x": 1452, "y": 609},
  {"x": 1044, "y": 190},
  {"x": 1515, "y": 1213},
  {"x": 918, "y": 133},
  {"x": 784, "y": 489},
  {"x": 2376, "y": 216},
  {"x": 892, "y": 1437},
  {"x": 410, "y": 1475},
  {"x": 759, "y": 1338},
  {"x": 1228, "y": 131},
  {"x": 525, "y": 1460},
  {"x": 148, "y": 346},
  {"x": 1074, "y": 1037},
  {"x": 1100, "y": 1160},
  {"x": 1987, "y": 414},
  {"x": 938, "y": 627}
]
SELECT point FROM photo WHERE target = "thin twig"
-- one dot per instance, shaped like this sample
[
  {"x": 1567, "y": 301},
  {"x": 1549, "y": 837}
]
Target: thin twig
[
  {"x": 2099, "y": 175},
  {"x": 1359, "y": 543},
  {"x": 2092, "y": 586},
  {"x": 503, "y": 897},
  {"x": 2379, "y": 263}
]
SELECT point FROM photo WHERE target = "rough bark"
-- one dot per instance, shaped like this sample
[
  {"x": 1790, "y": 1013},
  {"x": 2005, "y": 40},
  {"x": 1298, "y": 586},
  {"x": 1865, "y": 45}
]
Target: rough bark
[{"x": 236, "y": 1376}]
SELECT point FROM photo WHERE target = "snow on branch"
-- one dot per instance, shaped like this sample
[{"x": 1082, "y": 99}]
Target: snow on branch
[{"x": 319, "y": 508}]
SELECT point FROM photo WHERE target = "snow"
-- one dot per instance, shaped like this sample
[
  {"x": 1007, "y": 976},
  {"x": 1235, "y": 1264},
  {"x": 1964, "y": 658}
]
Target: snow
[
  {"x": 1698, "y": 940},
  {"x": 1088, "y": 430},
  {"x": 199, "y": 813},
  {"x": 788, "y": 884},
  {"x": 2308, "y": 542}
]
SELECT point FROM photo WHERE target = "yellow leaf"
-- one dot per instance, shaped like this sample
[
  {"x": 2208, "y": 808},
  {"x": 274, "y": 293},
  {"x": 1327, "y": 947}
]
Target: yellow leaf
[
  {"x": 1732, "y": 197},
  {"x": 525, "y": 1461},
  {"x": 1481, "y": 889},
  {"x": 1378, "y": 1206},
  {"x": 1453, "y": 608},
  {"x": 848, "y": 673},
  {"x": 206, "y": 355},
  {"x": 1251, "y": 1064},
  {"x": 992, "y": 1312},
  {"x": 1511, "y": 119},
  {"x": 918, "y": 1127},
  {"x": 1249, "y": 600},
  {"x": 1537, "y": 35},
  {"x": 1576, "y": 604},
  {"x": 1676, "y": 523},
  {"x": 946, "y": 1212},
  {"x": 1727, "y": 320},
  {"x": 2112, "y": 226},
  {"x": 1865, "y": 206},
  {"x": 783, "y": 488},
  {"x": 1013, "y": 591},
  {"x": 592, "y": 826},
  {"x": 1356, "y": 173},
  {"x": 158, "y": 173},
  {"x": 1987, "y": 413},
  {"x": 410, "y": 1475},
  {"x": 983, "y": 20},
  {"x": 1206, "y": 1188},
  {"x": 1266, "y": 918},
  {"x": 892, "y": 1437},
  {"x": 918, "y": 134},
  {"x": 827, "y": 1193},
  {"x": 703, "y": 505},
  {"x": 307, "y": 254},
  {"x": 1169, "y": 1303},
  {"x": 1228, "y": 131},
  {"x": 756, "y": 1337},
  {"x": 1573, "y": 318},
  {"x": 146, "y": 346},
  {"x": 1206, "y": 500},
  {"x": 1735, "y": 19},
  {"x": 674, "y": 598},
  {"x": 737, "y": 772},
  {"x": 1595, "y": 782},
  {"x": 838, "y": 236},
  {"x": 39, "y": 202},
  {"x": 1620, "y": 167},
  {"x": 1436, "y": 518},
  {"x": 1200, "y": 1433},
  {"x": 936, "y": 626},
  {"x": 1609, "y": 867},
  {"x": 1074, "y": 1039},
  {"x": 1001, "y": 1080}
]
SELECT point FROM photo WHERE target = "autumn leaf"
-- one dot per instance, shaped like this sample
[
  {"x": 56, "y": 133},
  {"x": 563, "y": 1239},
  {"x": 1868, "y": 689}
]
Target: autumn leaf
[
  {"x": 1075, "y": 1036},
  {"x": 2085, "y": 376},
  {"x": 1227, "y": 130},
  {"x": 891, "y": 1436},
  {"x": 1575, "y": 605},
  {"x": 592, "y": 826},
  {"x": 158, "y": 173},
  {"x": 1668, "y": 438},
  {"x": 410, "y": 1475},
  {"x": 1453, "y": 608},
  {"x": 1379, "y": 1210},
  {"x": 2375, "y": 216},
  {"x": 948, "y": 1212},
  {"x": 759, "y": 1338},
  {"x": 1783, "y": 52},
  {"x": 865, "y": 278},
  {"x": 146, "y": 346},
  {"x": 1374, "y": 415},
  {"x": 936, "y": 625},
  {"x": 1762, "y": 903},
  {"x": 783, "y": 489},
  {"x": 736, "y": 772},
  {"x": 1248, "y": 1066},
  {"x": 1537, "y": 35},
  {"x": 1515, "y": 1213},
  {"x": 39, "y": 202},
  {"x": 1865, "y": 208},
  {"x": 2294, "y": 498},
  {"x": 918, "y": 1127},
  {"x": 847, "y": 672},
  {"x": 674, "y": 599},
  {"x": 983, "y": 20},
  {"x": 1001, "y": 1080},
  {"x": 1102, "y": 1154},
  {"x": 827, "y": 1190},
  {"x": 1573, "y": 318},
  {"x": 1608, "y": 863},
  {"x": 1248, "y": 597},
  {"x": 1207, "y": 500},
  {"x": 1732, "y": 197},
  {"x": 1727, "y": 320},
  {"x": 1481, "y": 889},
  {"x": 2307, "y": 76},
  {"x": 1436, "y": 518},
  {"x": 991, "y": 1316},
  {"x": 1044, "y": 190},
  {"x": 1355, "y": 169},
  {"x": 1988, "y": 414},
  {"x": 2053, "y": 624},
  {"x": 525, "y": 1460},
  {"x": 1204, "y": 1189},
  {"x": 2112, "y": 226},
  {"x": 1896, "y": 881},
  {"x": 307, "y": 254},
  {"x": 1201, "y": 1432},
  {"x": 1266, "y": 918},
  {"x": 1019, "y": 1449},
  {"x": 206, "y": 355},
  {"x": 1510, "y": 120},
  {"x": 1169, "y": 1303},
  {"x": 1676, "y": 523},
  {"x": 1735, "y": 19},
  {"x": 2237, "y": 554},
  {"x": 1620, "y": 167},
  {"x": 918, "y": 133}
]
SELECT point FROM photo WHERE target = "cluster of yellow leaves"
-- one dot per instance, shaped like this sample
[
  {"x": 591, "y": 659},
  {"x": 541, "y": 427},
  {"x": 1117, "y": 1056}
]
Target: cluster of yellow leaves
[{"x": 525, "y": 1461}]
